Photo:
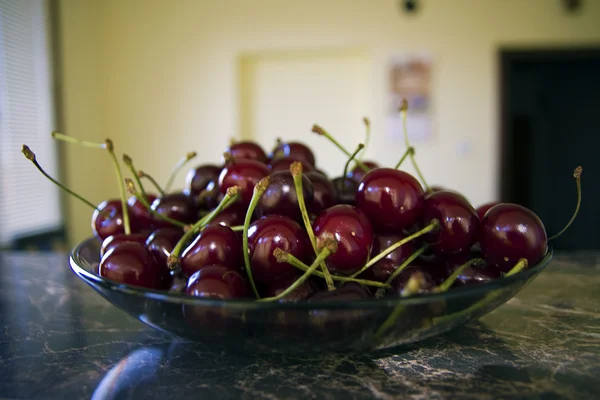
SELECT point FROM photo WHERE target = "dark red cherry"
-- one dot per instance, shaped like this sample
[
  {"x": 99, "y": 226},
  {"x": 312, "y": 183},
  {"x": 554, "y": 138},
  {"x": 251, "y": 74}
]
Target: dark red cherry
[
  {"x": 107, "y": 220},
  {"x": 324, "y": 192},
  {"x": 142, "y": 214},
  {"x": 510, "y": 232},
  {"x": 177, "y": 206},
  {"x": 131, "y": 263},
  {"x": 436, "y": 188},
  {"x": 357, "y": 173},
  {"x": 382, "y": 270},
  {"x": 281, "y": 198},
  {"x": 216, "y": 244},
  {"x": 353, "y": 233},
  {"x": 347, "y": 292},
  {"x": 247, "y": 150},
  {"x": 458, "y": 222},
  {"x": 203, "y": 179},
  {"x": 391, "y": 199},
  {"x": 284, "y": 163},
  {"x": 297, "y": 151},
  {"x": 245, "y": 174},
  {"x": 269, "y": 233},
  {"x": 345, "y": 190},
  {"x": 118, "y": 238},
  {"x": 480, "y": 272},
  {"x": 482, "y": 209},
  {"x": 162, "y": 241},
  {"x": 302, "y": 292},
  {"x": 217, "y": 281},
  {"x": 428, "y": 282},
  {"x": 233, "y": 215}
]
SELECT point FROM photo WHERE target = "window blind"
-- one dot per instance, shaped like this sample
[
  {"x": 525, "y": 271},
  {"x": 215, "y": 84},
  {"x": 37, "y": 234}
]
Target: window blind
[{"x": 29, "y": 204}]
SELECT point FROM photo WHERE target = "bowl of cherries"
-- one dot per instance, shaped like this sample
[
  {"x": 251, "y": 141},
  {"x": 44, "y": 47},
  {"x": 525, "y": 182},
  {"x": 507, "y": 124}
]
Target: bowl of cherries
[{"x": 263, "y": 252}]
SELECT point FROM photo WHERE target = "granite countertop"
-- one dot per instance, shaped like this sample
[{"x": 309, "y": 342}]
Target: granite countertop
[{"x": 59, "y": 339}]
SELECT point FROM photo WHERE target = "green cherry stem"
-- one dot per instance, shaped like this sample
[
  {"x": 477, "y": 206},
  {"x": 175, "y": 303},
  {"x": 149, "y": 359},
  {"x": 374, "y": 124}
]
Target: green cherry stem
[
  {"x": 237, "y": 228},
  {"x": 320, "y": 131},
  {"x": 129, "y": 163},
  {"x": 367, "y": 123},
  {"x": 259, "y": 189},
  {"x": 296, "y": 171},
  {"x": 30, "y": 155},
  {"x": 142, "y": 174},
  {"x": 577, "y": 176},
  {"x": 380, "y": 292},
  {"x": 131, "y": 189},
  {"x": 352, "y": 157},
  {"x": 230, "y": 197},
  {"x": 409, "y": 152},
  {"x": 180, "y": 164},
  {"x": 519, "y": 266},
  {"x": 329, "y": 246},
  {"x": 111, "y": 150},
  {"x": 435, "y": 224},
  {"x": 403, "y": 110},
  {"x": 449, "y": 281},
  {"x": 68, "y": 139},
  {"x": 294, "y": 262}
]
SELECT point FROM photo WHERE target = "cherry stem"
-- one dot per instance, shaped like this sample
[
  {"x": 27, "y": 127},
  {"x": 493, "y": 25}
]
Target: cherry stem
[
  {"x": 131, "y": 189},
  {"x": 367, "y": 123},
  {"x": 519, "y": 266},
  {"x": 68, "y": 139},
  {"x": 293, "y": 261},
  {"x": 435, "y": 224},
  {"x": 352, "y": 157},
  {"x": 403, "y": 110},
  {"x": 111, "y": 150},
  {"x": 237, "y": 228},
  {"x": 30, "y": 155},
  {"x": 230, "y": 197},
  {"x": 296, "y": 171},
  {"x": 142, "y": 174},
  {"x": 449, "y": 281},
  {"x": 577, "y": 176},
  {"x": 320, "y": 131},
  {"x": 329, "y": 247},
  {"x": 400, "y": 268},
  {"x": 410, "y": 151},
  {"x": 129, "y": 163},
  {"x": 259, "y": 190},
  {"x": 180, "y": 164}
]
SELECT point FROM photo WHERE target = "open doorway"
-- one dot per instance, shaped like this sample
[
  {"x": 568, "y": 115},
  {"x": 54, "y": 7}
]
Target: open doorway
[{"x": 550, "y": 116}]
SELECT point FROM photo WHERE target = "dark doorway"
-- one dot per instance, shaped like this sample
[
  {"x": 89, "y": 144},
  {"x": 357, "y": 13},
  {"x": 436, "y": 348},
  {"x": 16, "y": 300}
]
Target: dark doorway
[{"x": 551, "y": 124}]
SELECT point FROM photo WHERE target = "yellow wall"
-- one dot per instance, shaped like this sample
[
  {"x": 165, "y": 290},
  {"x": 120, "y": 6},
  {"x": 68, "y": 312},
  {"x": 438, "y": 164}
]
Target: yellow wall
[{"x": 160, "y": 77}]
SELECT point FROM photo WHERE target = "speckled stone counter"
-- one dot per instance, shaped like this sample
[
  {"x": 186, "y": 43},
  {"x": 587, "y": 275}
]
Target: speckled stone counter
[{"x": 59, "y": 339}]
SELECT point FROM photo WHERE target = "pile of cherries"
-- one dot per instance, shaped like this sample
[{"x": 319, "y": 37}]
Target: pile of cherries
[{"x": 274, "y": 227}]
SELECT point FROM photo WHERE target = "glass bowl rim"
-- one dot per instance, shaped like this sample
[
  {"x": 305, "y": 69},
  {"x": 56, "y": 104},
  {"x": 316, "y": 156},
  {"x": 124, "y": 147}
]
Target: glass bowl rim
[{"x": 181, "y": 298}]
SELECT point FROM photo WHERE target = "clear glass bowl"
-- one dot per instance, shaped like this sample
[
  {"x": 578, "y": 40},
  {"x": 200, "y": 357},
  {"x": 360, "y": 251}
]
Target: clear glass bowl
[{"x": 304, "y": 328}]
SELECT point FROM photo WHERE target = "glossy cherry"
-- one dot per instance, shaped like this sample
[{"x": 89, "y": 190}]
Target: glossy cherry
[
  {"x": 203, "y": 179},
  {"x": 177, "y": 206},
  {"x": 107, "y": 220},
  {"x": 482, "y": 209},
  {"x": 118, "y": 238},
  {"x": 142, "y": 214},
  {"x": 216, "y": 244},
  {"x": 217, "y": 281},
  {"x": 296, "y": 150},
  {"x": 131, "y": 263},
  {"x": 354, "y": 234},
  {"x": 357, "y": 173},
  {"x": 458, "y": 222},
  {"x": 245, "y": 174},
  {"x": 382, "y": 270},
  {"x": 281, "y": 198},
  {"x": 162, "y": 241},
  {"x": 480, "y": 272},
  {"x": 269, "y": 233},
  {"x": 247, "y": 150},
  {"x": 324, "y": 192},
  {"x": 284, "y": 163},
  {"x": 232, "y": 216},
  {"x": 345, "y": 190},
  {"x": 302, "y": 292},
  {"x": 510, "y": 232},
  {"x": 391, "y": 199}
]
